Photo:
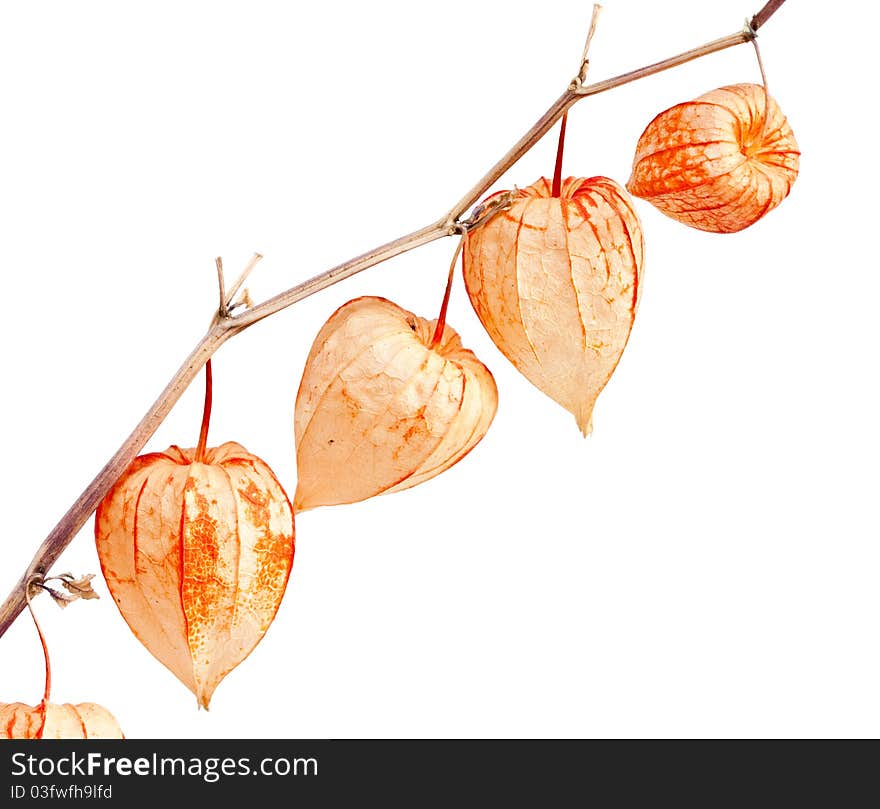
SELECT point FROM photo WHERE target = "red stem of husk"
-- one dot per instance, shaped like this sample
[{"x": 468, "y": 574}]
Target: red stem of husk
[
  {"x": 206, "y": 416},
  {"x": 557, "y": 171},
  {"x": 441, "y": 318},
  {"x": 48, "y": 686}
]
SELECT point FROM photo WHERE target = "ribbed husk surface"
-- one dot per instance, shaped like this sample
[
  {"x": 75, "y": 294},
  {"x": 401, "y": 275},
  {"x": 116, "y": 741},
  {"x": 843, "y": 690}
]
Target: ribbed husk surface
[
  {"x": 718, "y": 163},
  {"x": 197, "y": 556},
  {"x": 48, "y": 720},
  {"x": 379, "y": 410},
  {"x": 556, "y": 283}
]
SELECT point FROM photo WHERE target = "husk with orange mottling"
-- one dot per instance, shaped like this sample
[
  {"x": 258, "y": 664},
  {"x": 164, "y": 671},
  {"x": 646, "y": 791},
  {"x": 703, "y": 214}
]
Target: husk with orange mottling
[
  {"x": 197, "y": 556},
  {"x": 718, "y": 163},
  {"x": 379, "y": 409},
  {"x": 87, "y": 720},
  {"x": 556, "y": 283}
]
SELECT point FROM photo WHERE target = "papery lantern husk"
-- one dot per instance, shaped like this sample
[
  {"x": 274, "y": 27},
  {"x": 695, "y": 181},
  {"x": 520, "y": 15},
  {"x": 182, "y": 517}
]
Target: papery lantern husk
[
  {"x": 556, "y": 283},
  {"x": 718, "y": 163},
  {"x": 379, "y": 409},
  {"x": 197, "y": 556},
  {"x": 48, "y": 720}
]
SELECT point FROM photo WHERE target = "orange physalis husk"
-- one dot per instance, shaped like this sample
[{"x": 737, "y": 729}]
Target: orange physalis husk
[
  {"x": 197, "y": 555},
  {"x": 50, "y": 721},
  {"x": 719, "y": 162},
  {"x": 556, "y": 283},
  {"x": 380, "y": 409}
]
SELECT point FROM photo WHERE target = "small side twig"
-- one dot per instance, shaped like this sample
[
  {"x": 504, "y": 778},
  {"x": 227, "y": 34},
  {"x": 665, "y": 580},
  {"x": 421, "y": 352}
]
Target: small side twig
[
  {"x": 581, "y": 76},
  {"x": 233, "y": 290},
  {"x": 227, "y": 305},
  {"x": 222, "y": 309},
  {"x": 576, "y": 83}
]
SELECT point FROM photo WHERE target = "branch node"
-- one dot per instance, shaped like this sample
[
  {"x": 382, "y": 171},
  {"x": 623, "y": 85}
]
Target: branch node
[
  {"x": 35, "y": 585},
  {"x": 76, "y": 587},
  {"x": 227, "y": 306},
  {"x": 485, "y": 211}
]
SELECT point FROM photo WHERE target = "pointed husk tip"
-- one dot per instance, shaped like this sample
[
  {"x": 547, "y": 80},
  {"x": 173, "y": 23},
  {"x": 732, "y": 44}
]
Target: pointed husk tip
[
  {"x": 204, "y": 698},
  {"x": 584, "y": 418}
]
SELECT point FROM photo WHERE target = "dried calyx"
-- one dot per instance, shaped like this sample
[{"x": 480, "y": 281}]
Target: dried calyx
[
  {"x": 718, "y": 163},
  {"x": 387, "y": 400},
  {"x": 555, "y": 280},
  {"x": 196, "y": 546}
]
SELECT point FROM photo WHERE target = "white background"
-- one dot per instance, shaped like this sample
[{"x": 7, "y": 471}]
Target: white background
[{"x": 706, "y": 564}]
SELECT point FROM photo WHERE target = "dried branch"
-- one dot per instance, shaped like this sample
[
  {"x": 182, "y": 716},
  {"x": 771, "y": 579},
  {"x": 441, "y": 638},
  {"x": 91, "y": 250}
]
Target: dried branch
[
  {"x": 765, "y": 14},
  {"x": 585, "y": 56},
  {"x": 239, "y": 282},
  {"x": 226, "y": 325},
  {"x": 223, "y": 308},
  {"x": 576, "y": 83}
]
